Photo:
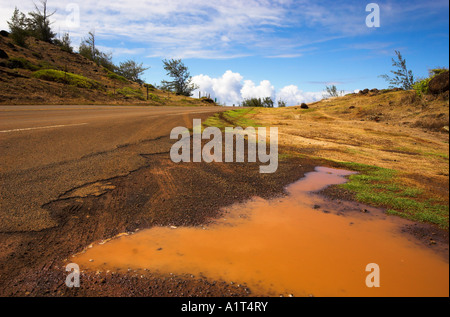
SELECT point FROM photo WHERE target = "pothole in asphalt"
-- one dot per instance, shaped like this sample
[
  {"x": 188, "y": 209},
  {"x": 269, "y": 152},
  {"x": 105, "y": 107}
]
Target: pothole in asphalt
[{"x": 297, "y": 245}]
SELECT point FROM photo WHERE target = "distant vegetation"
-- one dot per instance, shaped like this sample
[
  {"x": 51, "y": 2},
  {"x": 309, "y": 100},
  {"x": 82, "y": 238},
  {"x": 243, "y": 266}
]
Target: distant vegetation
[
  {"x": 129, "y": 92},
  {"x": 67, "y": 78},
  {"x": 258, "y": 102},
  {"x": 281, "y": 104},
  {"x": 403, "y": 77},
  {"x": 421, "y": 86},
  {"x": 132, "y": 70},
  {"x": 332, "y": 91},
  {"x": 37, "y": 24},
  {"x": 182, "y": 80},
  {"x": 114, "y": 76},
  {"x": 89, "y": 50}
]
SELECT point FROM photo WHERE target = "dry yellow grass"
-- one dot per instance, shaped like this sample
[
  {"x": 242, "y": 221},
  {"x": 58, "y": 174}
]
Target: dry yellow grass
[
  {"x": 329, "y": 129},
  {"x": 384, "y": 131}
]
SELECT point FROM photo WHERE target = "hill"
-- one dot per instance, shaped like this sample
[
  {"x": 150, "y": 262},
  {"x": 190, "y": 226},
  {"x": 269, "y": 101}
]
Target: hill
[
  {"x": 43, "y": 73},
  {"x": 397, "y": 141}
]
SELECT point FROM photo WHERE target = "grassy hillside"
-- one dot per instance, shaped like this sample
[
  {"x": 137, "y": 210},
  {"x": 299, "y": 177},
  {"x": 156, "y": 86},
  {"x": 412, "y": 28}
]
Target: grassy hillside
[
  {"x": 398, "y": 142},
  {"x": 43, "y": 73}
]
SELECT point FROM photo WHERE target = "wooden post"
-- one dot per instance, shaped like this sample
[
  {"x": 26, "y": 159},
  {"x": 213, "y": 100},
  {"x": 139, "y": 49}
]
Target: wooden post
[{"x": 147, "y": 92}]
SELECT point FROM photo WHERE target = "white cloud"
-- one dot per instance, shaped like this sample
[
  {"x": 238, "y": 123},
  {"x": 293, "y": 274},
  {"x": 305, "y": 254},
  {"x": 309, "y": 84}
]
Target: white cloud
[
  {"x": 264, "y": 89},
  {"x": 292, "y": 95},
  {"x": 231, "y": 88},
  {"x": 227, "y": 89},
  {"x": 191, "y": 28}
]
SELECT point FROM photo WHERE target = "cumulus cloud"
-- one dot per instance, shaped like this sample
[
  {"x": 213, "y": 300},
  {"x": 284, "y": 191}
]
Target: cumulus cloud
[
  {"x": 231, "y": 89},
  {"x": 263, "y": 90},
  {"x": 292, "y": 95},
  {"x": 227, "y": 88}
]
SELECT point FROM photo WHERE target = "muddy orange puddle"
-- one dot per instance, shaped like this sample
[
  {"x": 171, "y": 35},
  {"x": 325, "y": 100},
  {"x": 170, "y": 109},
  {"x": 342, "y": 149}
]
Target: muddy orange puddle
[{"x": 286, "y": 246}]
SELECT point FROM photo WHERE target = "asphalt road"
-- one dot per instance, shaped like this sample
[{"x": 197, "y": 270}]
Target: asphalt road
[{"x": 48, "y": 150}]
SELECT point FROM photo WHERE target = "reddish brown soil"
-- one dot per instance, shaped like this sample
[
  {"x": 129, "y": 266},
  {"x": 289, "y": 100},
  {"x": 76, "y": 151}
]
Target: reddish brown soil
[{"x": 158, "y": 194}]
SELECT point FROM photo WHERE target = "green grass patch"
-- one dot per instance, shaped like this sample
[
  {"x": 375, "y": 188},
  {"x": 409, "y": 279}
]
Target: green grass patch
[
  {"x": 23, "y": 63},
  {"x": 114, "y": 76},
  {"x": 308, "y": 110},
  {"x": 240, "y": 117},
  {"x": 232, "y": 118},
  {"x": 67, "y": 78},
  {"x": 438, "y": 155},
  {"x": 154, "y": 97},
  {"x": 129, "y": 92},
  {"x": 380, "y": 187}
]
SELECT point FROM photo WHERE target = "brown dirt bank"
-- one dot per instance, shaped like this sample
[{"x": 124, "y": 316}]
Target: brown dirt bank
[{"x": 431, "y": 236}]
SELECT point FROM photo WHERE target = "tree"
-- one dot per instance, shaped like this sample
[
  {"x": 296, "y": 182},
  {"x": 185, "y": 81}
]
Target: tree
[
  {"x": 402, "y": 76},
  {"x": 266, "y": 102},
  {"x": 281, "y": 103},
  {"x": 87, "y": 47},
  {"x": 182, "y": 83},
  {"x": 18, "y": 27},
  {"x": 39, "y": 22},
  {"x": 332, "y": 91},
  {"x": 89, "y": 50},
  {"x": 65, "y": 43},
  {"x": 132, "y": 70}
]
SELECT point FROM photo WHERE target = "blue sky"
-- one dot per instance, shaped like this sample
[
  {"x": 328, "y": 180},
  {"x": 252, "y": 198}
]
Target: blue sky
[{"x": 288, "y": 49}]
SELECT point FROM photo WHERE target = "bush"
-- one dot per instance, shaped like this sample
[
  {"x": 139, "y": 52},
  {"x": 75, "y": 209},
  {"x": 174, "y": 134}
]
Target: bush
[
  {"x": 150, "y": 87},
  {"x": 20, "y": 62},
  {"x": 23, "y": 63},
  {"x": 129, "y": 92},
  {"x": 154, "y": 97},
  {"x": 114, "y": 76},
  {"x": 258, "y": 102},
  {"x": 67, "y": 78},
  {"x": 421, "y": 86}
]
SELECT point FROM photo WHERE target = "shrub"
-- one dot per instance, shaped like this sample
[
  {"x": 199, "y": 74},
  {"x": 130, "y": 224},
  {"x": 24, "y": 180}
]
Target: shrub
[
  {"x": 114, "y": 76},
  {"x": 403, "y": 77},
  {"x": 206, "y": 100},
  {"x": 421, "y": 86},
  {"x": 64, "y": 43},
  {"x": 46, "y": 65},
  {"x": 67, "y": 78},
  {"x": 129, "y": 92},
  {"x": 437, "y": 71},
  {"x": 20, "y": 62},
  {"x": 150, "y": 87},
  {"x": 154, "y": 97}
]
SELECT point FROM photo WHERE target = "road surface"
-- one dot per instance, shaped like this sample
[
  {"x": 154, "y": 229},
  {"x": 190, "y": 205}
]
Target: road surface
[{"x": 47, "y": 150}]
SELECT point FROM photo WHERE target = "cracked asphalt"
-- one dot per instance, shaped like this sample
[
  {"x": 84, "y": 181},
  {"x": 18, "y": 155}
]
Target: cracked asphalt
[
  {"x": 48, "y": 150},
  {"x": 74, "y": 175}
]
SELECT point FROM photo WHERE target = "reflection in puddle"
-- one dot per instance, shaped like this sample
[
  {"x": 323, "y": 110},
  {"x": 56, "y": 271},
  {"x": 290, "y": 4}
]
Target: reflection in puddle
[{"x": 286, "y": 246}]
